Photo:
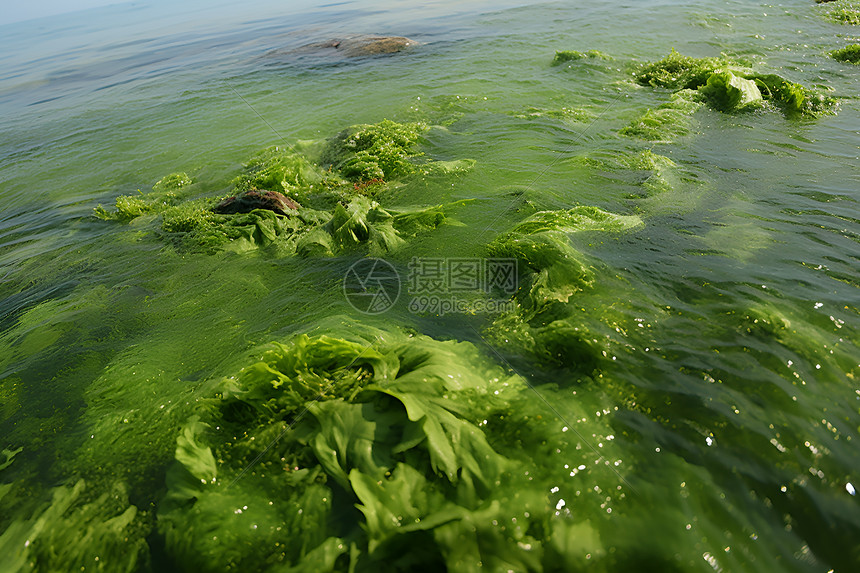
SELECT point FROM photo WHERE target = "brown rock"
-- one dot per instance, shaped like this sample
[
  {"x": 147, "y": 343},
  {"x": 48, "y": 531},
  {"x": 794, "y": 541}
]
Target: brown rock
[
  {"x": 351, "y": 47},
  {"x": 250, "y": 200},
  {"x": 372, "y": 45}
]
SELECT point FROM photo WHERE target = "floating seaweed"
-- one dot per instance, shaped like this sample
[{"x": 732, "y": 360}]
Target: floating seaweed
[
  {"x": 565, "y": 56},
  {"x": 305, "y": 206},
  {"x": 725, "y": 85},
  {"x": 379, "y": 151},
  {"x": 843, "y": 12},
  {"x": 849, "y": 54}
]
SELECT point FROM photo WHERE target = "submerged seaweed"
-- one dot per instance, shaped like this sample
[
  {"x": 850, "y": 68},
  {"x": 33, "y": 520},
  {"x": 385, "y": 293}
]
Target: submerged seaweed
[
  {"x": 663, "y": 173},
  {"x": 551, "y": 274},
  {"x": 667, "y": 122},
  {"x": 362, "y": 452},
  {"x": 565, "y": 114}
]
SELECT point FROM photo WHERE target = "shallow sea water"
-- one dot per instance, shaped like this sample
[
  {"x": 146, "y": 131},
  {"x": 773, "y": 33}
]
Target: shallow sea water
[{"x": 718, "y": 428}]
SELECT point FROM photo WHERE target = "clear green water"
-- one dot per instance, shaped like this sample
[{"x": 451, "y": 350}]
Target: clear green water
[{"x": 729, "y": 319}]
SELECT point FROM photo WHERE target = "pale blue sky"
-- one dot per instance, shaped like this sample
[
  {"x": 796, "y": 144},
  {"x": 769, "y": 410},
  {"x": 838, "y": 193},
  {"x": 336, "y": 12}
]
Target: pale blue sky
[{"x": 18, "y": 11}]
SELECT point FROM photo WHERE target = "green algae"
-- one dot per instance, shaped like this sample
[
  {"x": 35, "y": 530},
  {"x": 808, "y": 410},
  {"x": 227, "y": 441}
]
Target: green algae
[
  {"x": 663, "y": 173},
  {"x": 77, "y": 529},
  {"x": 279, "y": 169},
  {"x": 725, "y": 85},
  {"x": 551, "y": 275},
  {"x": 59, "y": 342},
  {"x": 390, "y": 424},
  {"x": 678, "y": 72},
  {"x": 565, "y": 114},
  {"x": 9, "y": 456},
  {"x": 724, "y": 91},
  {"x": 849, "y": 54},
  {"x": 364, "y": 224},
  {"x": 333, "y": 183},
  {"x": 647, "y": 160},
  {"x": 583, "y": 218},
  {"x": 844, "y": 12},
  {"x": 379, "y": 151},
  {"x": 565, "y": 56},
  {"x": 192, "y": 226},
  {"x": 173, "y": 182},
  {"x": 129, "y": 207},
  {"x": 668, "y": 122},
  {"x": 653, "y": 172},
  {"x": 550, "y": 269},
  {"x": 793, "y": 98},
  {"x": 384, "y": 504},
  {"x": 452, "y": 167},
  {"x": 164, "y": 194},
  {"x": 361, "y": 222}
]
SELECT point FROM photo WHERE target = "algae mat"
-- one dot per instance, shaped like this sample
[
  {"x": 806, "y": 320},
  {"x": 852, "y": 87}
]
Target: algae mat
[{"x": 563, "y": 287}]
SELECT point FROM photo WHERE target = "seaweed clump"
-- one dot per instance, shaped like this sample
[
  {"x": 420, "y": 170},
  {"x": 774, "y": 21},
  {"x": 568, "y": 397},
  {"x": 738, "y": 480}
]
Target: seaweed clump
[
  {"x": 303, "y": 201},
  {"x": 564, "y": 56},
  {"x": 283, "y": 170},
  {"x": 850, "y": 54},
  {"x": 729, "y": 87},
  {"x": 726, "y": 91},
  {"x": 373, "y": 449},
  {"x": 78, "y": 529},
  {"x": 844, "y": 12},
  {"x": 165, "y": 194},
  {"x": 379, "y": 151},
  {"x": 363, "y": 222},
  {"x": 677, "y": 72},
  {"x": 551, "y": 273}
]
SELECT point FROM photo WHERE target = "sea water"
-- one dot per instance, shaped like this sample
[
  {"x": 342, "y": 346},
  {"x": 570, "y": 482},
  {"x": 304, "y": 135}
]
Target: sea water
[{"x": 718, "y": 427}]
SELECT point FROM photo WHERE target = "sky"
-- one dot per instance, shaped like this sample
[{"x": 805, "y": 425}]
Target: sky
[{"x": 15, "y": 11}]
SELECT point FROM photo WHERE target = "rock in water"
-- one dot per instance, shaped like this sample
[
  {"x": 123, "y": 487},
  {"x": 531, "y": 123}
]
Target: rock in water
[
  {"x": 250, "y": 200},
  {"x": 350, "y": 47},
  {"x": 372, "y": 45}
]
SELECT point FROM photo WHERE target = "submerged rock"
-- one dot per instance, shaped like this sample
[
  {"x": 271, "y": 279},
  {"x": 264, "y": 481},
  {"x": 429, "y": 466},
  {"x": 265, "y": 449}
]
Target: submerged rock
[
  {"x": 250, "y": 200},
  {"x": 372, "y": 45},
  {"x": 352, "y": 47}
]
